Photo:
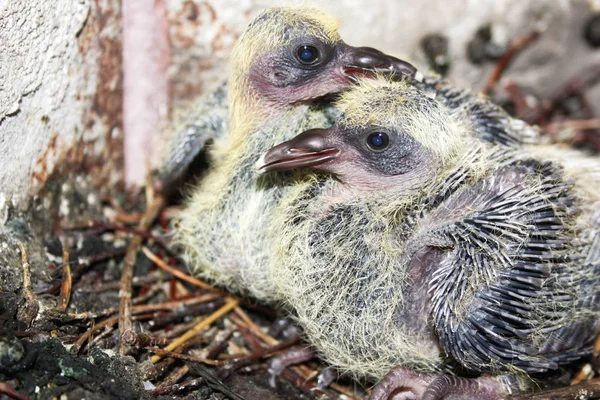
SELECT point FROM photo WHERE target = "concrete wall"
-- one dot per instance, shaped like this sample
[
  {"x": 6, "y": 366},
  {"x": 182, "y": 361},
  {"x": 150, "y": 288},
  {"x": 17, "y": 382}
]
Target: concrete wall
[{"x": 60, "y": 92}]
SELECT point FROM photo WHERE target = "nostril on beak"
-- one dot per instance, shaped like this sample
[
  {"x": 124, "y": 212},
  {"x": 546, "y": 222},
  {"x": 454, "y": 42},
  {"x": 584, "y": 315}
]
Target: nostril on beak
[{"x": 368, "y": 59}]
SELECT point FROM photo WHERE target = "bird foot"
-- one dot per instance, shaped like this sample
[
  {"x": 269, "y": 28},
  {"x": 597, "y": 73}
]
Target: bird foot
[
  {"x": 294, "y": 355},
  {"x": 403, "y": 384}
]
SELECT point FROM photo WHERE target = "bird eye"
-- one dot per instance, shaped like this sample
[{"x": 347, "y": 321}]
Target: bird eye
[
  {"x": 378, "y": 140},
  {"x": 308, "y": 54}
]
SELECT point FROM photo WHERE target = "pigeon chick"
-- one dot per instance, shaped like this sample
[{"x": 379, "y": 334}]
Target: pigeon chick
[
  {"x": 287, "y": 57},
  {"x": 433, "y": 250},
  {"x": 209, "y": 121}
]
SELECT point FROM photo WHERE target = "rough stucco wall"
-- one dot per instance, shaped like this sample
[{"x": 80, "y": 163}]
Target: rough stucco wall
[
  {"x": 60, "y": 92},
  {"x": 202, "y": 33}
]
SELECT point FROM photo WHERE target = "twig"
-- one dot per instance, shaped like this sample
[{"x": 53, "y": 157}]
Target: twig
[
  {"x": 153, "y": 371},
  {"x": 135, "y": 310},
  {"x": 76, "y": 273},
  {"x": 265, "y": 351},
  {"x": 30, "y": 311},
  {"x": 575, "y": 86},
  {"x": 121, "y": 214},
  {"x": 67, "y": 281},
  {"x": 107, "y": 322},
  {"x": 168, "y": 390},
  {"x": 277, "y": 346},
  {"x": 144, "y": 308},
  {"x": 182, "y": 312},
  {"x": 593, "y": 123},
  {"x": 30, "y": 333},
  {"x": 180, "y": 329},
  {"x": 219, "y": 343},
  {"x": 9, "y": 391},
  {"x": 132, "y": 218},
  {"x": 596, "y": 350},
  {"x": 179, "y": 274},
  {"x": 139, "y": 340},
  {"x": 202, "y": 360},
  {"x": 170, "y": 212},
  {"x": 110, "y": 226},
  {"x": 255, "y": 329},
  {"x": 142, "y": 298},
  {"x": 154, "y": 206},
  {"x": 343, "y": 390},
  {"x": 250, "y": 339},
  {"x": 107, "y": 226},
  {"x": 229, "y": 305},
  {"x": 523, "y": 110},
  {"x": 514, "y": 47},
  {"x": 175, "y": 377},
  {"x": 152, "y": 277},
  {"x": 106, "y": 332}
]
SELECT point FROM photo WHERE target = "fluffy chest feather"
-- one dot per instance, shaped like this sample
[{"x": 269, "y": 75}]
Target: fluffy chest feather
[{"x": 224, "y": 229}]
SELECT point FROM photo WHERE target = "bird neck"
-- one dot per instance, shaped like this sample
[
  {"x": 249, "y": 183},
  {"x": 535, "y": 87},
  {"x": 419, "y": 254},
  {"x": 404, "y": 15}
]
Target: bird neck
[
  {"x": 255, "y": 127},
  {"x": 420, "y": 190},
  {"x": 249, "y": 109}
]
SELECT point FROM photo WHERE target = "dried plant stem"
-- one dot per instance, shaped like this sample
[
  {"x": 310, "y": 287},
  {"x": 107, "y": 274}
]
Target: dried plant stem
[{"x": 230, "y": 304}]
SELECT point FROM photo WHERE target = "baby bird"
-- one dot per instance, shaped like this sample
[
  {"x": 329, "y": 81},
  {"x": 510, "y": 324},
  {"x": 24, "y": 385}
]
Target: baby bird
[
  {"x": 283, "y": 58},
  {"x": 434, "y": 251},
  {"x": 287, "y": 57}
]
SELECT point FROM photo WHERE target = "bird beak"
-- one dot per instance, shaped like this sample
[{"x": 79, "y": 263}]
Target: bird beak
[
  {"x": 308, "y": 149},
  {"x": 361, "y": 61}
]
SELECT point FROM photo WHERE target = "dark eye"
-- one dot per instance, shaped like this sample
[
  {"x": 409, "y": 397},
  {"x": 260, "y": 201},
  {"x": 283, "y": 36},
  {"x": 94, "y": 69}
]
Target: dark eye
[
  {"x": 378, "y": 140},
  {"x": 308, "y": 54}
]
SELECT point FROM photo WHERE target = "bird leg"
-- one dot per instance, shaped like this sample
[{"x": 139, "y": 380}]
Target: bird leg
[
  {"x": 294, "y": 355},
  {"x": 405, "y": 384}
]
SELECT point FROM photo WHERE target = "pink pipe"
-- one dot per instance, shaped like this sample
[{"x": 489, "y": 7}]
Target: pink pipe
[{"x": 145, "y": 85}]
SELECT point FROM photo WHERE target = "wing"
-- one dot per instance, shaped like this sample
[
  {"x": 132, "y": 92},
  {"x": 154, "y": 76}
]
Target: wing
[
  {"x": 209, "y": 122},
  {"x": 491, "y": 123},
  {"x": 514, "y": 290}
]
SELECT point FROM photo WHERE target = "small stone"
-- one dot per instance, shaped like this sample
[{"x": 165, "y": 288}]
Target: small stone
[
  {"x": 11, "y": 351},
  {"x": 435, "y": 47},
  {"x": 591, "y": 31}
]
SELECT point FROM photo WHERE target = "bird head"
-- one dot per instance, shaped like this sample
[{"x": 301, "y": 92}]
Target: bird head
[
  {"x": 389, "y": 135},
  {"x": 293, "y": 54}
]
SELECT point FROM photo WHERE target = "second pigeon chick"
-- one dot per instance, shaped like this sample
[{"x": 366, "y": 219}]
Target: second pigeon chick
[{"x": 433, "y": 250}]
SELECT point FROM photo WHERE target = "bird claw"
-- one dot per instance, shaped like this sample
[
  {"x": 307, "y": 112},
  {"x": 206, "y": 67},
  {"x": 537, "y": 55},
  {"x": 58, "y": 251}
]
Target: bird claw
[{"x": 405, "y": 384}]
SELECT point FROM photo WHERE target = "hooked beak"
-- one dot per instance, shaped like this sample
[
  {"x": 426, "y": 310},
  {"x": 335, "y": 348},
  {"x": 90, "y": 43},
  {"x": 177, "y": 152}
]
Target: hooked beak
[
  {"x": 309, "y": 149},
  {"x": 361, "y": 61}
]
